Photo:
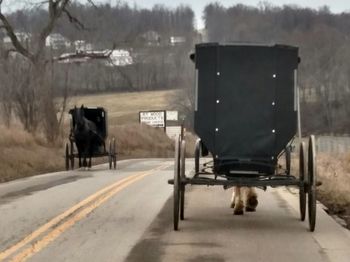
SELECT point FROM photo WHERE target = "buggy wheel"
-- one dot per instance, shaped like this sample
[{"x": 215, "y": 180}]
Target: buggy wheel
[
  {"x": 302, "y": 177},
  {"x": 176, "y": 195},
  {"x": 197, "y": 156},
  {"x": 110, "y": 157},
  {"x": 288, "y": 159},
  {"x": 114, "y": 153},
  {"x": 182, "y": 178},
  {"x": 71, "y": 155},
  {"x": 311, "y": 183},
  {"x": 67, "y": 157}
]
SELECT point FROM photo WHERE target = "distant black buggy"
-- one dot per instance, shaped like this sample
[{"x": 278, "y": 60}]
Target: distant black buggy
[
  {"x": 246, "y": 117},
  {"x": 88, "y": 132}
]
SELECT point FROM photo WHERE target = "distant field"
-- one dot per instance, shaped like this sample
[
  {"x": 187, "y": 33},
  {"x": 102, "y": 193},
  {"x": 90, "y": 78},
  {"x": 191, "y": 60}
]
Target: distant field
[{"x": 123, "y": 108}]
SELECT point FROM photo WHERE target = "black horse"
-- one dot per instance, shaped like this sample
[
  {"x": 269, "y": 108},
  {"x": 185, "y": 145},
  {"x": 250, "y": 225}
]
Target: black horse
[{"x": 85, "y": 136}]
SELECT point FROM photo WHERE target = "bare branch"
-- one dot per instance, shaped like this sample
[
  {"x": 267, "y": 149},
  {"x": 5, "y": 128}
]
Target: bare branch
[
  {"x": 14, "y": 39},
  {"x": 55, "y": 11},
  {"x": 92, "y": 3},
  {"x": 74, "y": 20}
]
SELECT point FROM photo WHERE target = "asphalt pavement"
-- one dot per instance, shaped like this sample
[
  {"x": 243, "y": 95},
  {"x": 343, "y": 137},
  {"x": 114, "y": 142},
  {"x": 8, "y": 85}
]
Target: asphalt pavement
[{"x": 126, "y": 215}]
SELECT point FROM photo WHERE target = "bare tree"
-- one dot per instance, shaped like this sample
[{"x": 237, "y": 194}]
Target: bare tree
[{"x": 35, "y": 99}]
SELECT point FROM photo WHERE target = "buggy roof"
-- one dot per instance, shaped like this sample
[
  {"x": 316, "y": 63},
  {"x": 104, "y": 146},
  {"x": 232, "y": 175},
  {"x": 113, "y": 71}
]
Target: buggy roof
[
  {"x": 98, "y": 115},
  {"x": 246, "y": 99}
]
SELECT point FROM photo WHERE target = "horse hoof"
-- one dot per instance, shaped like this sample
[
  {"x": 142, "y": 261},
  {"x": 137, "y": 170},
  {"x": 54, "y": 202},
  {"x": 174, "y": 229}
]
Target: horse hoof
[
  {"x": 252, "y": 202},
  {"x": 232, "y": 205},
  {"x": 250, "y": 209},
  {"x": 238, "y": 212}
]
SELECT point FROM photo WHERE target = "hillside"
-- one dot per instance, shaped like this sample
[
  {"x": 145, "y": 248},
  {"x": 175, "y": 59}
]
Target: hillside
[
  {"x": 123, "y": 108},
  {"x": 25, "y": 155}
]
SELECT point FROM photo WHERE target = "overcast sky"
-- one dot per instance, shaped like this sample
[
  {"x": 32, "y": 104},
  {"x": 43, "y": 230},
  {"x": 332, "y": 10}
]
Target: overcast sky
[{"x": 336, "y": 6}]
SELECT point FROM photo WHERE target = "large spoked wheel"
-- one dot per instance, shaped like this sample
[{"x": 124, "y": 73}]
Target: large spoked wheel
[
  {"x": 182, "y": 178},
  {"x": 288, "y": 159},
  {"x": 302, "y": 179},
  {"x": 197, "y": 152},
  {"x": 110, "y": 156},
  {"x": 67, "y": 156},
  {"x": 176, "y": 195},
  {"x": 114, "y": 153},
  {"x": 311, "y": 181}
]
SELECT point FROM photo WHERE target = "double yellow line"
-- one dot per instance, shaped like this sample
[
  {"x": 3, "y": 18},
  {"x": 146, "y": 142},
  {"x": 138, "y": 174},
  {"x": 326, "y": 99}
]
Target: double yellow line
[{"x": 67, "y": 219}]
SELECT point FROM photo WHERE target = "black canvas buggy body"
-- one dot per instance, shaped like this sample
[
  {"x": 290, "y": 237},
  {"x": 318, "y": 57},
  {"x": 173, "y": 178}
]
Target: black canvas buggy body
[
  {"x": 246, "y": 117},
  {"x": 96, "y": 146}
]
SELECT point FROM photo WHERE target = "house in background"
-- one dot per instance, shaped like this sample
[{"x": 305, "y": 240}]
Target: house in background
[
  {"x": 107, "y": 57},
  {"x": 23, "y": 38},
  {"x": 119, "y": 57},
  {"x": 57, "y": 41},
  {"x": 177, "y": 40},
  {"x": 151, "y": 38},
  {"x": 82, "y": 46}
]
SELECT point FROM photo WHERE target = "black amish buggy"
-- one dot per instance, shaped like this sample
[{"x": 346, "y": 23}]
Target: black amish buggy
[
  {"x": 246, "y": 117},
  {"x": 88, "y": 132}
]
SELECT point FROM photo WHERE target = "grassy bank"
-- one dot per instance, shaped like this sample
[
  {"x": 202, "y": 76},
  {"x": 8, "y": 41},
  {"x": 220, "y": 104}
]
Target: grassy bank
[
  {"x": 23, "y": 155},
  {"x": 333, "y": 171}
]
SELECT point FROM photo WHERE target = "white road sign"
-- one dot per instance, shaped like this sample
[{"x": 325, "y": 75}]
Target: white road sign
[
  {"x": 171, "y": 115},
  {"x": 153, "y": 118}
]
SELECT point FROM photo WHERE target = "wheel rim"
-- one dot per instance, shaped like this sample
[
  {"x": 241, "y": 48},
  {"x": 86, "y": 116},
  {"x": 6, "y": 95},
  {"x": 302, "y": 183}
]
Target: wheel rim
[
  {"x": 67, "y": 157},
  {"x": 176, "y": 185},
  {"x": 114, "y": 154},
  {"x": 288, "y": 156},
  {"x": 182, "y": 178},
  {"x": 302, "y": 172},
  {"x": 71, "y": 156},
  {"x": 312, "y": 183},
  {"x": 196, "y": 156},
  {"x": 110, "y": 155}
]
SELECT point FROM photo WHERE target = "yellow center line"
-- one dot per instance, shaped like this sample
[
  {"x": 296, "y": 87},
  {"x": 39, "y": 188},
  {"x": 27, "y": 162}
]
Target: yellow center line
[{"x": 99, "y": 197}]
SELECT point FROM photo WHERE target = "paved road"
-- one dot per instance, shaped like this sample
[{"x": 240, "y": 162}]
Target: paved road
[
  {"x": 66, "y": 220},
  {"x": 103, "y": 215}
]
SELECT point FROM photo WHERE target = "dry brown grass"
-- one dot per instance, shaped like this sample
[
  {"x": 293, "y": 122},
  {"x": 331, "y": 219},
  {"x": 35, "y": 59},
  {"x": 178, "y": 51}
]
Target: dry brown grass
[
  {"x": 23, "y": 155},
  {"x": 141, "y": 141},
  {"x": 333, "y": 171}
]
